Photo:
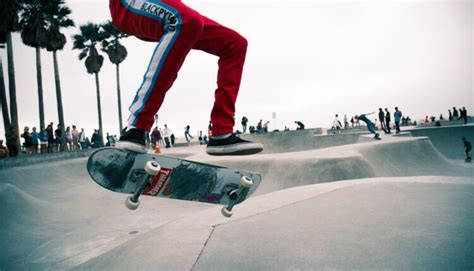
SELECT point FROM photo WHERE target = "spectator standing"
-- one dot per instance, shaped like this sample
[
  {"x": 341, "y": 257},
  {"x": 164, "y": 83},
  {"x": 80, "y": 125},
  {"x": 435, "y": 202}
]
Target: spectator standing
[
  {"x": 336, "y": 125},
  {"x": 259, "y": 127},
  {"x": 154, "y": 137},
  {"x": 397, "y": 117},
  {"x": 455, "y": 113},
  {"x": 159, "y": 140},
  {"x": 58, "y": 139},
  {"x": 95, "y": 140},
  {"x": 27, "y": 144},
  {"x": 346, "y": 122},
  {"x": 463, "y": 115},
  {"x": 34, "y": 141},
  {"x": 450, "y": 115},
  {"x": 166, "y": 136},
  {"x": 51, "y": 141},
  {"x": 82, "y": 139},
  {"x": 244, "y": 122},
  {"x": 387, "y": 121},
  {"x": 75, "y": 138},
  {"x": 68, "y": 139},
  {"x": 43, "y": 138},
  {"x": 382, "y": 120}
]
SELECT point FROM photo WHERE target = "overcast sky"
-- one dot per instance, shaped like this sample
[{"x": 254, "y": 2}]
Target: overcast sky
[{"x": 306, "y": 61}]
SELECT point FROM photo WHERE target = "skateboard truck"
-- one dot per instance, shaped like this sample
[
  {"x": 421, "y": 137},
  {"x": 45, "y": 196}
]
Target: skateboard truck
[
  {"x": 152, "y": 169},
  {"x": 237, "y": 194}
]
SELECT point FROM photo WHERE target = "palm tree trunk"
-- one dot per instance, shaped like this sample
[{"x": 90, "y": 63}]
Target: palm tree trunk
[
  {"x": 59, "y": 101},
  {"x": 39, "y": 80},
  {"x": 99, "y": 108},
  {"x": 12, "y": 88},
  {"x": 4, "y": 103},
  {"x": 119, "y": 98}
]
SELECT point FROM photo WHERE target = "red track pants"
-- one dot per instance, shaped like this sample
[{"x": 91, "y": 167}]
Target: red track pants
[{"x": 178, "y": 29}]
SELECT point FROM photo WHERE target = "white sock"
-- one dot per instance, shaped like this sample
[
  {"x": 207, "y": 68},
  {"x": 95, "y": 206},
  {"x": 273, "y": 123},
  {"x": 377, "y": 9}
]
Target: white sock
[
  {"x": 130, "y": 127},
  {"x": 221, "y": 136}
]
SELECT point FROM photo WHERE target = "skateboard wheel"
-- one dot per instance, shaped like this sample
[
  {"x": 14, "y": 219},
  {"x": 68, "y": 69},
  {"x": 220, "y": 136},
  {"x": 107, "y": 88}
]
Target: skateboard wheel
[
  {"x": 226, "y": 212},
  {"x": 152, "y": 168},
  {"x": 130, "y": 204},
  {"x": 246, "y": 181}
]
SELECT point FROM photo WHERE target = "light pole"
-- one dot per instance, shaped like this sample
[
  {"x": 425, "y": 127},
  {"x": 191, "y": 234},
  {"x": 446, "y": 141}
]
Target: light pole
[{"x": 274, "y": 116}]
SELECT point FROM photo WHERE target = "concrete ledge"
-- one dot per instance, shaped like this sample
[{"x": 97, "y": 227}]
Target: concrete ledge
[
  {"x": 42, "y": 158},
  {"x": 403, "y": 134},
  {"x": 287, "y": 141}
]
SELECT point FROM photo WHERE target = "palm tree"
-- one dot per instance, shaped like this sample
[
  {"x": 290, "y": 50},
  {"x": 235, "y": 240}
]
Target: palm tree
[
  {"x": 91, "y": 35},
  {"x": 117, "y": 54},
  {"x": 57, "y": 17},
  {"x": 9, "y": 23},
  {"x": 3, "y": 97},
  {"x": 33, "y": 25}
]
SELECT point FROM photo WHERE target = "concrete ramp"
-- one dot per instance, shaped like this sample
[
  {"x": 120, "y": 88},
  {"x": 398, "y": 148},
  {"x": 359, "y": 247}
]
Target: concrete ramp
[
  {"x": 397, "y": 204},
  {"x": 447, "y": 139},
  {"x": 402, "y": 223},
  {"x": 393, "y": 156}
]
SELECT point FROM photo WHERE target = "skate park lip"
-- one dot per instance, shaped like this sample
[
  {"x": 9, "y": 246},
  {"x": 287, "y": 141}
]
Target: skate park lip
[{"x": 323, "y": 200}]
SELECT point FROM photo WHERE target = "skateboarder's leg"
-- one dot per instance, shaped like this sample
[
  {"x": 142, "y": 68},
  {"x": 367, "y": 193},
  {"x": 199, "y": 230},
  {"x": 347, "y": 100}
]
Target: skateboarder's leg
[
  {"x": 371, "y": 128},
  {"x": 168, "y": 57},
  {"x": 231, "y": 49},
  {"x": 176, "y": 28}
]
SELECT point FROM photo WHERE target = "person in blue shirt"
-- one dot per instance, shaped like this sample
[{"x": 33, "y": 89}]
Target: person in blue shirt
[
  {"x": 398, "y": 116},
  {"x": 43, "y": 138}
]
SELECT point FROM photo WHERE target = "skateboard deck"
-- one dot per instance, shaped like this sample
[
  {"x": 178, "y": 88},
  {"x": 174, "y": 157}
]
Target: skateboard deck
[{"x": 158, "y": 175}]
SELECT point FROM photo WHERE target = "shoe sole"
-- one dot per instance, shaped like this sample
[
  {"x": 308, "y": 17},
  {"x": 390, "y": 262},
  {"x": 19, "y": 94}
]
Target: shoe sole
[
  {"x": 130, "y": 146},
  {"x": 237, "y": 149}
]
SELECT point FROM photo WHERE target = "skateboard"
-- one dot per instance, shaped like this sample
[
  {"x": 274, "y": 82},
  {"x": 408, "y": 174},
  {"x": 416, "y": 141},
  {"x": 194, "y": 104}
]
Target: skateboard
[{"x": 158, "y": 175}]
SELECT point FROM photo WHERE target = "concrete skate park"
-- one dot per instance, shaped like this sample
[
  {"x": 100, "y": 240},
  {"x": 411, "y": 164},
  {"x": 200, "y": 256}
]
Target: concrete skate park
[{"x": 343, "y": 201}]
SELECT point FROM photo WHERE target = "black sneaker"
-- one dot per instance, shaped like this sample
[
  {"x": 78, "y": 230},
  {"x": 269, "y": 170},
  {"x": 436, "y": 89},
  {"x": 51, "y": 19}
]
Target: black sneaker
[
  {"x": 133, "y": 140},
  {"x": 232, "y": 145}
]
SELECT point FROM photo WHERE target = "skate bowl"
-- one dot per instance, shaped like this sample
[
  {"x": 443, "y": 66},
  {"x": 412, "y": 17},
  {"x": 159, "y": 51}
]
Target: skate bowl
[
  {"x": 447, "y": 139},
  {"x": 315, "y": 209}
]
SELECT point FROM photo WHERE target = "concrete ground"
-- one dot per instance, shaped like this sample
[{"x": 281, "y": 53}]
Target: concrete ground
[{"x": 345, "y": 202}]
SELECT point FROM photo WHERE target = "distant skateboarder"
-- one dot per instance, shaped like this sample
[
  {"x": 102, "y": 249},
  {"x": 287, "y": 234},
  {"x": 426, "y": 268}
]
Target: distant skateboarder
[
  {"x": 467, "y": 149},
  {"x": 370, "y": 124},
  {"x": 176, "y": 29},
  {"x": 300, "y": 125}
]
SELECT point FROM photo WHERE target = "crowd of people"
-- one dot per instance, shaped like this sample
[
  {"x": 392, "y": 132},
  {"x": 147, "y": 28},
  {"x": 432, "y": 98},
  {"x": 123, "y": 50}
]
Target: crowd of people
[
  {"x": 49, "y": 140},
  {"x": 384, "y": 120},
  {"x": 453, "y": 115}
]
